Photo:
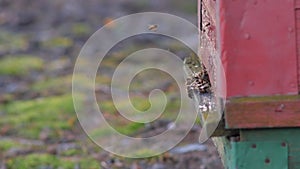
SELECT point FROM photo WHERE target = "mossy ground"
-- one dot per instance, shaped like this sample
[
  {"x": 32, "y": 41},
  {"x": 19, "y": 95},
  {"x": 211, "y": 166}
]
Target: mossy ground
[
  {"x": 29, "y": 118},
  {"x": 38, "y": 125},
  {"x": 57, "y": 42},
  {"x": 58, "y": 85},
  {"x": 11, "y": 42},
  {"x": 37, "y": 161},
  {"x": 50, "y": 115},
  {"x": 6, "y": 144},
  {"x": 81, "y": 29},
  {"x": 19, "y": 65}
]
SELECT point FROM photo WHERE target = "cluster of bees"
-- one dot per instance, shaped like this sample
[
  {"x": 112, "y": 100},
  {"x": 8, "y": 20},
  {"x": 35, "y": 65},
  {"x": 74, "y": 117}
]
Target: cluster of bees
[
  {"x": 197, "y": 81},
  {"x": 199, "y": 84}
]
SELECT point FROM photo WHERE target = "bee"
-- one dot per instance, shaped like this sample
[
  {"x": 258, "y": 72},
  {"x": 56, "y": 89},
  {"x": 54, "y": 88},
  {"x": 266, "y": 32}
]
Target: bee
[
  {"x": 153, "y": 27},
  {"x": 197, "y": 81}
]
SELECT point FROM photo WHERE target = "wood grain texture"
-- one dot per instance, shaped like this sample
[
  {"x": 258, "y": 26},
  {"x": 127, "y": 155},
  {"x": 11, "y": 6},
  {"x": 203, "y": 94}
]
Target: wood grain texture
[{"x": 264, "y": 112}]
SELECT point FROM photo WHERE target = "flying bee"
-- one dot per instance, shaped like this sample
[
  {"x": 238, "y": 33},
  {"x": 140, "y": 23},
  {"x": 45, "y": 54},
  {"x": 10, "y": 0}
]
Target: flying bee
[{"x": 153, "y": 27}]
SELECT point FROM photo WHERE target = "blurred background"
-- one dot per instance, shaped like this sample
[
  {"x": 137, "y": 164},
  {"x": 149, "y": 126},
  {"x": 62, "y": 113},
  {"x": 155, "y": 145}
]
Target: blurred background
[{"x": 39, "y": 43}]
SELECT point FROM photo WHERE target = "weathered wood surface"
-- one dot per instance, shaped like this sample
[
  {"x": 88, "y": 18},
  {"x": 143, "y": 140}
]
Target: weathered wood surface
[
  {"x": 263, "y": 112},
  {"x": 288, "y": 137},
  {"x": 258, "y": 47}
]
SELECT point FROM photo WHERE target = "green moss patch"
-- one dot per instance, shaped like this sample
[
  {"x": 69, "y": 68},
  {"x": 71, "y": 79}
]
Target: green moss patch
[
  {"x": 30, "y": 118},
  {"x": 37, "y": 161},
  {"x": 130, "y": 129},
  {"x": 53, "y": 85},
  {"x": 80, "y": 29},
  {"x": 20, "y": 64},
  {"x": 10, "y": 42},
  {"x": 141, "y": 153},
  {"x": 126, "y": 127},
  {"x": 58, "y": 42},
  {"x": 71, "y": 152},
  {"x": 7, "y": 144},
  {"x": 139, "y": 103}
]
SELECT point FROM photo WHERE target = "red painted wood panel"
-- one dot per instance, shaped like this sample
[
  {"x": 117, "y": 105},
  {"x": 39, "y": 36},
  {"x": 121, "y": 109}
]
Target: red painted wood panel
[
  {"x": 259, "y": 43},
  {"x": 258, "y": 47},
  {"x": 297, "y": 11},
  {"x": 297, "y": 4}
]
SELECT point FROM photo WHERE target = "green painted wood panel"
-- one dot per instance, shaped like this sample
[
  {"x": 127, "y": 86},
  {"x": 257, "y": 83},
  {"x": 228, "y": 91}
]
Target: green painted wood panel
[
  {"x": 280, "y": 146},
  {"x": 288, "y": 136}
]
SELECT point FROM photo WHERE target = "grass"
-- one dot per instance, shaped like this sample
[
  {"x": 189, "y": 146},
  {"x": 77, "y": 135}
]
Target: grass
[
  {"x": 7, "y": 144},
  {"x": 58, "y": 42},
  {"x": 126, "y": 129},
  {"x": 145, "y": 152},
  {"x": 37, "y": 161},
  {"x": 129, "y": 128},
  {"x": 71, "y": 152},
  {"x": 53, "y": 85},
  {"x": 10, "y": 42},
  {"x": 29, "y": 118},
  {"x": 17, "y": 65},
  {"x": 80, "y": 29},
  {"x": 139, "y": 103}
]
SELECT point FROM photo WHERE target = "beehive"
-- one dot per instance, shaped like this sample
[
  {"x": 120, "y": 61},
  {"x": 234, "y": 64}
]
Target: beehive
[{"x": 258, "y": 43}]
